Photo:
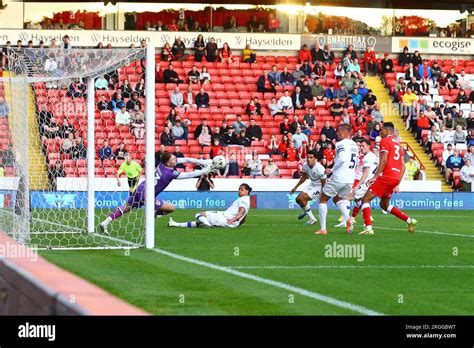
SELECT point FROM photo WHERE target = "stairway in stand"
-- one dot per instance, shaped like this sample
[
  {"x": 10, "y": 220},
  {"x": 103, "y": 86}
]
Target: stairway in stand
[{"x": 391, "y": 114}]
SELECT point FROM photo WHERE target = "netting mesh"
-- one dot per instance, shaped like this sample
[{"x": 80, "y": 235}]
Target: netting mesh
[{"x": 47, "y": 91}]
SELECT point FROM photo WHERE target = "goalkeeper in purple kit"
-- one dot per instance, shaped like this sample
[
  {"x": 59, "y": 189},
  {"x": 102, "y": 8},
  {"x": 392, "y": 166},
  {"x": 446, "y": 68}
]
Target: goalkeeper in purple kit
[{"x": 164, "y": 174}]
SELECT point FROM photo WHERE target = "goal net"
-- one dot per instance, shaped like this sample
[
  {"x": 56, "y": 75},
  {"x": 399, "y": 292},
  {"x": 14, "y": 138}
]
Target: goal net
[{"x": 75, "y": 116}]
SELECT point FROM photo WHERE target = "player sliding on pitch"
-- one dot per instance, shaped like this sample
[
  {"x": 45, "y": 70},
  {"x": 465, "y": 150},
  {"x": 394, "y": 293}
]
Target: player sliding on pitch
[
  {"x": 386, "y": 180},
  {"x": 234, "y": 216},
  {"x": 315, "y": 172},
  {"x": 164, "y": 174}
]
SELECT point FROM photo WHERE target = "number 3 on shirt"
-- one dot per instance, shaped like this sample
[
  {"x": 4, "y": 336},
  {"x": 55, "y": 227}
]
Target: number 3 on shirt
[
  {"x": 353, "y": 161},
  {"x": 396, "y": 156}
]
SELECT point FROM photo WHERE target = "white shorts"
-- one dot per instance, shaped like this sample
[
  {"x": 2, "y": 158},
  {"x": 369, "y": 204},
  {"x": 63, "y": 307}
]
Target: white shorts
[
  {"x": 313, "y": 191},
  {"x": 217, "y": 219},
  {"x": 361, "y": 191},
  {"x": 333, "y": 189}
]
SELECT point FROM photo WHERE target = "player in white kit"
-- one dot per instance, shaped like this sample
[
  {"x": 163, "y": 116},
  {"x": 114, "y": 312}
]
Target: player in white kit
[
  {"x": 342, "y": 178},
  {"x": 234, "y": 216},
  {"x": 369, "y": 168},
  {"x": 315, "y": 172}
]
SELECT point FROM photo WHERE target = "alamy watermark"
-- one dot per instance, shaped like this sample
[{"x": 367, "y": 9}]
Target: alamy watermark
[
  {"x": 13, "y": 251},
  {"x": 345, "y": 251}
]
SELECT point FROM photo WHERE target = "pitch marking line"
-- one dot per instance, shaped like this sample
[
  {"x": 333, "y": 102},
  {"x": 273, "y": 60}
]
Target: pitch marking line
[
  {"x": 303, "y": 292},
  {"x": 355, "y": 267}
]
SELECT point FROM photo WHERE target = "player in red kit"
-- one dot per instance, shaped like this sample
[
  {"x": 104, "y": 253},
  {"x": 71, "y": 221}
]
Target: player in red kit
[{"x": 386, "y": 180}]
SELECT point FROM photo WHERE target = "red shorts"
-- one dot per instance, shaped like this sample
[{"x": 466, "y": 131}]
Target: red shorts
[
  {"x": 383, "y": 186},
  {"x": 356, "y": 182}
]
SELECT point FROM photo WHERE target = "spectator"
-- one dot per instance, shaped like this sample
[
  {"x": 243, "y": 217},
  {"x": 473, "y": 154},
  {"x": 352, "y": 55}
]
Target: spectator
[
  {"x": 369, "y": 100},
  {"x": 101, "y": 83},
  {"x": 215, "y": 148},
  {"x": 253, "y": 25},
  {"x": 193, "y": 75},
  {"x": 331, "y": 92},
  {"x": 275, "y": 108},
  {"x": 254, "y": 131},
  {"x": 248, "y": 55},
  {"x": 319, "y": 70},
  {"x": 434, "y": 137},
  {"x": 411, "y": 72},
  {"x": 253, "y": 108},
  {"x": 424, "y": 88},
  {"x": 328, "y": 54},
  {"x": 359, "y": 136},
  {"x": 295, "y": 124},
  {"x": 230, "y": 138},
  {"x": 371, "y": 125},
  {"x": 273, "y": 146},
  {"x": 178, "y": 154},
  {"x": 356, "y": 98},
  {"x": 122, "y": 117},
  {"x": 225, "y": 54},
  {"x": 170, "y": 75},
  {"x": 255, "y": 165},
  {"x": 166, "y": 138},
  {"x": 199, "y": 48},
  {"x": 202, "y": 99},
  {"x": 176, "y": 98},
  {"x": 211, "y": 50},
  {"x": 328, "y": 131},
  {"x": 239, "y": 125},
  {"x": 464, "y": 81},
  {"x": 274, "y": 76},
  {"x": 459, "y": 136},
  {"x": 102, "y": 104},
  {"x": 297, "y": 73},
  {"x": 454, "y": 163},
  {"x": 360, "y": 122},
  {"x": 424, "y": 70},
  {"x": 243, "y": 139},
  {"x": 448, "y": 122},
  {"x": 68, "y": 143},
  {"x": 178, "y": 49},
  {"x": 121, "y": 151},
  {"x": 286, "y": 78},
  {"x": 134, "y": 103},
  {"x": 443, "y": 82},
  {"x": 273, "y": 23},
  {"x": 265, "y": 85},
  {"x": 416, "y": 59},
  {"x": 137, "y": 126},
  {"x": 271, "y": 169},
  {"x": 363, "y": 91},
  {"x": 309, "y": 119},
  {"x": 346, "y": 118},
  {"x": 386, "y": 64},
  {"x": 350, "y": 50},
  {"x": 317, "y": 54},
  {"x": 339, "y": 72},
  {"x": 375, "y": 132},
  {"x": 409, "y": 104},
  {"x": 51, "y": 129},
  {"x": 317, "y": 91},
  {"x": 336, "y": 108},
  {"x": 404, "y": 58},
  {"x": 306, "y": 90},
  {"x": 203, "y": 127},
  {"x": 204, "y": 76},
  {"x": 330, "y": 155},
  {"x": 354, "y": 66},
  {"x": 291, "y": 154},
  {"x": 232, "y": 168},
  {"x": 105, "y": 152},
  {"x": 217, "y": 135},
  {"x": 166, "y": 54},
  {"x": 158, "y": 73},
  {"x": 189, "y": 99},
  {"x": 304, "y": 54},
  {"x": 348, "y": 81},
  {"x": 460, "y": 121},
  {"x": 298, "y": 138},
  {"x": 306, "y": 69},
  {"x": 462, "y": 97},
  {"x": 370, "y": 61},
  {"x": 78, "y": 151},
  {"x": 77, "y": 89},
  {"x": 204, "y": 183},
  {"x": 452, "y": 79},
  {"x": 414, "y": 86},
  {"x": 230, "y": 24},
  {"x": 467, "y": 176},
  {"x": 178, "y": 132},
  {"x": 470, "y": 120},
  {"x": 285, "y": 127},
  {"x": 412, "y": 168},
  {"x": 126, "y": 89},
  {"x": 56, "y": 172}
]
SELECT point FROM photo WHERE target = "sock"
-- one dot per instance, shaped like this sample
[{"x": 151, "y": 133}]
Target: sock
[
  {"x": 202, "y": 219},
  {"x": 190, "y": 224},
  {"x": 107, "y": 221},
  {"x": 323, "y": 211},
  {"x": 367, "y": 215},
  {"x": 308, "y": 211},
  {"x": 115, "y": 215},
  {"x": 342, "y": 205},
  {"x": 356, "y": 209},
  {"x": 398, "y": 213}
]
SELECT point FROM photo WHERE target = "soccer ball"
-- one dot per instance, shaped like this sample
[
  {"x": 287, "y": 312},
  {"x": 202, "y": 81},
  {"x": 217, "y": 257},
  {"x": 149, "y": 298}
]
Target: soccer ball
[{"x": 219, "y": 162}]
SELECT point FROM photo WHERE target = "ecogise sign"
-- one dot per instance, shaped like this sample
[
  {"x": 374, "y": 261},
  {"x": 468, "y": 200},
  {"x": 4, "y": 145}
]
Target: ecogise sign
[{"x": 434, "y": 45}]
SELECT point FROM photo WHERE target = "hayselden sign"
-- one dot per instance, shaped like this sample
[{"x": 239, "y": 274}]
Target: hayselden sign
[
  {"x": 340, "y": 42},
  {"x": 90, "y": 38},
  {"x": 440, "y": 45}
]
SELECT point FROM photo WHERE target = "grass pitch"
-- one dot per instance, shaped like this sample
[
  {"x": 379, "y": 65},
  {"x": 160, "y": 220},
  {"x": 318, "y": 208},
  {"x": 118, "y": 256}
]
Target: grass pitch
[{"x": 275, "y": 265}]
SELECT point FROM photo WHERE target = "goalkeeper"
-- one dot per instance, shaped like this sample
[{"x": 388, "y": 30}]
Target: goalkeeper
[
  {"x": 132, "y": 170},
  {"x": 164, "y": 175}
]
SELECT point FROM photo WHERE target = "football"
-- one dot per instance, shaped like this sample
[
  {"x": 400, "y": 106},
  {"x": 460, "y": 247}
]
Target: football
[{"x": 219, "y": 162}]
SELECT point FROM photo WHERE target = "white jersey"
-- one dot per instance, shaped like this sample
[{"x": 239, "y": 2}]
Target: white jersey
[
  {"x": 315, "y": 173},
  {"x": 347, "y": 156},
  {"x": 371, "y": 161},
  {"x": 359, "y": 169},
  {"x": 233, "y": 210}
]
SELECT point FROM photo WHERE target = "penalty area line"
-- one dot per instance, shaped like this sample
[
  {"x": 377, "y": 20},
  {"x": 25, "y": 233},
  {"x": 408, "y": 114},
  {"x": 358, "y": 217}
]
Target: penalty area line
[
  {"x": 355, "y": 267},
  {"x": 277, "y": 284}
]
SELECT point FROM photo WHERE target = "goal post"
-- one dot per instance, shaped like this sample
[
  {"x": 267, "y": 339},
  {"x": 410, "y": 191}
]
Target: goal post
[{"x": 59, "y": 184}]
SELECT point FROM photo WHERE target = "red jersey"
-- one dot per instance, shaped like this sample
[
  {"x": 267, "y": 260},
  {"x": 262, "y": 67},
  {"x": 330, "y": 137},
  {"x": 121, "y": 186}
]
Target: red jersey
[
  {"x": 394, "y": 165},
  {"x": 291, "y": 154}
]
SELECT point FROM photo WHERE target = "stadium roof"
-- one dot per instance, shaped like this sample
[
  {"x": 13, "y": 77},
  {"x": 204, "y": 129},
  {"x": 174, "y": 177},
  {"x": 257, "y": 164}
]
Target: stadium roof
[{"x": 462, "y": 5}]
